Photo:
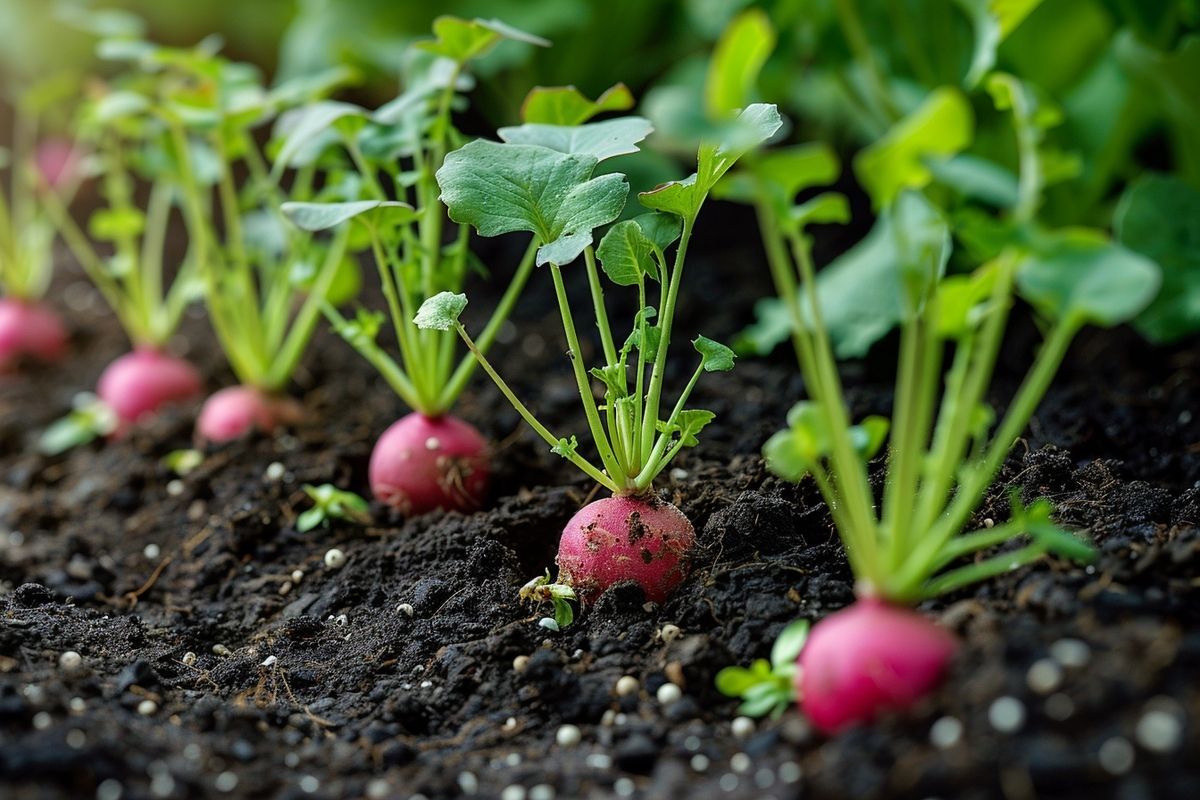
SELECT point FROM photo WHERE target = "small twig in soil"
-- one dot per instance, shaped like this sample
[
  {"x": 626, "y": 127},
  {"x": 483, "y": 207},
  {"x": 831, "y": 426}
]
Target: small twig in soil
[{"x": 132, "y": 597}]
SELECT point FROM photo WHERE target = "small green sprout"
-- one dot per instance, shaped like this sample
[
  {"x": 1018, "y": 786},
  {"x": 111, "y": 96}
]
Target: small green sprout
[
  {"x": 90, "y": 419},
  {"x": 183, "y": 462},
  {"x": 330, "y": 503},
  {"x": 541, "y": 589},
  {"x": 767, "y": 687}
]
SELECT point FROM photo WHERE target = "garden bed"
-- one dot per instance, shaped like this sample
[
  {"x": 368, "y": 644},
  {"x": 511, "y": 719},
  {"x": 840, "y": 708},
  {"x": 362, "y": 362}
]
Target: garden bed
[{"x": 325, "y": 685}]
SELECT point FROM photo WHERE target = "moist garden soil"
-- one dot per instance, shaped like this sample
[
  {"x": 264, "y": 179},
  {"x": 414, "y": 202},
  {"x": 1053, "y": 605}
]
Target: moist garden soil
[{"x": 393, "y": 676}]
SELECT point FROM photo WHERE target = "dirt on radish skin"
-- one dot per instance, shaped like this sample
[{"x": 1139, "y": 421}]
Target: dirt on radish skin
[
  {"x": 423, "y": 463},
  {"x": 868, "y": 659},
  {"x": 140, "y": 383},
  {"x": 29, "y": 330},
  {"x": 235, "y": 411},
  {"x": 625, "y": 538}
]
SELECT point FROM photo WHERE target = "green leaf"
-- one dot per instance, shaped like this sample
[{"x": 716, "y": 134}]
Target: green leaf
[
  {"x": 500, "y": 188},
  {"x": 322, "y": 216},
  {"x": 788, "y": 645},
  {"x": 960, "y": 301},
  {"x": 440, "y": 312},
  {"x": 90, "y": 419},
  {"x": 714, "y": 356},
  {"x": 977, "y": 179},
  {"x": 363, "y": 329},
  {"x": 736, "y": 62},
  {"x": 1063, "y": 543},
  {"x": 626, "y": 254},
  {"x": 310, "y": 519},
  {"x": 939, "y": 128},
  {"x": 793, "y": 453},
  {"x": 1159, "y": 217},
  {"x": 612, "y": 137},
  {"x": 565, "y": 447},
  {"x": 735, "y": 681},
  {"x": 782, "y": 174},
  {"x": 1081, "y": 277},
  {"x": 114, "y": 224},
  {"x": 756, "y": 124},
  {"x": 564, "y": 614},
  {"x": 993, "y": 21},
  {"x": 660, "y": 229},
  {"x": 688, "y": 425},
  {"x": 825, "y": 209},
  {"x": 330, "y": 502},
  {"x": 566, "y": 105},
  {"x": 883, "y": 279},
  {"x": 463, "y": 40},
  {"x": 182, "y": 462},
  {"x": 298, "y": 129}
]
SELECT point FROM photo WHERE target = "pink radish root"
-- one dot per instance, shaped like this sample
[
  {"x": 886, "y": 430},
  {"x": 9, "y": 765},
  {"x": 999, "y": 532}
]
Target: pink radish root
[
  {"x": 235, "y": 411},
  {"x": 140, "y": 383},
  {"x": 625, "y": 538},
  {"x": 422, "y": 463},
  {"x": 867, "y": 659},
  {"x": 29, "y": 330}
]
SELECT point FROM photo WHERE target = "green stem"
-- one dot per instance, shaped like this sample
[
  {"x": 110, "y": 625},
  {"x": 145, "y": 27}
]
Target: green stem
[
  {"x": 979, "y": 475},
  {"x": 541, "y": 430},
  {"x": 973, "y": 573},
  {"x": 378, "y": 358},
  {"x": 606, "y": 339},
  {"x": 458, "y": 381},
  {"x": 666, "y": 319},
  {"x": 614, "y": 467}
]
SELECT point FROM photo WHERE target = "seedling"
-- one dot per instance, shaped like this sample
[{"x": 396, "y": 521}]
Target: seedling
[
  {"x": 545, "y": 185},
  {"x": 380, "y": 176},
  {"x": 767, "y": 687},
  {"x": 28, "y": 327},
  {"x": 329, "y": 503},
  {"x": 542, "y": 589},
  {"x": 944, "y": 453}
]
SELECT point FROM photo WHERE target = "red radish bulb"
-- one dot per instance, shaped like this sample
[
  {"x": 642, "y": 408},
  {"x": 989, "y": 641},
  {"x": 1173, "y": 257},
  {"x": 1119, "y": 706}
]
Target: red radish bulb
[
  {"x": 235, "y": 411},
  {"x": 421, "y": 463},
  {"x": 625, "y": 538},
  {"x": 869, "y": 658},
  {"x": 140, "y": 383},
  {"x": 58, "y": 161},
  {"x": 29, "y": 329}
]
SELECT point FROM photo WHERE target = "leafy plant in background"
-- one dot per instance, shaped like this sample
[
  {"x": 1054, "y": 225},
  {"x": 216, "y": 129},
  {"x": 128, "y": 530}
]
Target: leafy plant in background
[
  {"x": 541, "y": 181},
  {"x": 379, "y": 176},
  {"x": 944, "y": 453},
  {"x": 37, "y": 162},
  {"x": 264, "y": 280}
]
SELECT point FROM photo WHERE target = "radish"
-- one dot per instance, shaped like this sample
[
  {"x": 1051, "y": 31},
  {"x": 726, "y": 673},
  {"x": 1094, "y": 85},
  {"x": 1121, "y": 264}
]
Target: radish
[
  {"x": 421, "y": 463},
  {"x": 140, "y": 383},
  {"x": 622, "y": 538},
  {"x": 29, "y": 329},
  {"x": 235, "y": 411},
  {"x": 534, "y": 183},
  {"x": 867, "y": 659},
  {"x": 58, "y": 161}
]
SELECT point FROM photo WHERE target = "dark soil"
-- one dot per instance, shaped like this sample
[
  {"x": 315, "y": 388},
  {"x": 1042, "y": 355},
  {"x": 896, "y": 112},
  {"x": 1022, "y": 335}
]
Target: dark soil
[{"x": 327, "y": 687}]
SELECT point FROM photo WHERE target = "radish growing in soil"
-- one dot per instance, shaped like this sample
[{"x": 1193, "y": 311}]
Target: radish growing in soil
[
  {"x": 430, "y": 458},
  {"x": 264, "y": 281},
  {"x": 30, "y": 328},
  {"x": 130, "y": 274},
  {"x": 541, "y": 181},
  {"x": 878, "y": 655}
]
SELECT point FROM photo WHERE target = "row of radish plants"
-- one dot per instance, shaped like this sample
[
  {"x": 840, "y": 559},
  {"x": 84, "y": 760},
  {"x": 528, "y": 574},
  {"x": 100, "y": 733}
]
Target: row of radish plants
[{"x": 284, "y": 191}]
